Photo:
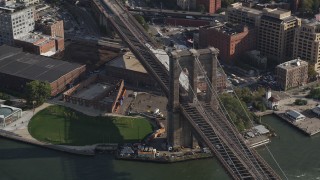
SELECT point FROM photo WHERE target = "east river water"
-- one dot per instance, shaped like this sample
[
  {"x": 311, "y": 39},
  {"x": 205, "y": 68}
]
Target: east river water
[{"x": 297, "y": 154}]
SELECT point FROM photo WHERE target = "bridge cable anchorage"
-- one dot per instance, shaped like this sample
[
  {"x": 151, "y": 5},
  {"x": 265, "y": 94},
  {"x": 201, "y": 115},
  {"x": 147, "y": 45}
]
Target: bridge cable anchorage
[
  {"x": 251, "y": 121},
  {"x": 203, "y": 110},
  {"x": 247, "y": 151}
]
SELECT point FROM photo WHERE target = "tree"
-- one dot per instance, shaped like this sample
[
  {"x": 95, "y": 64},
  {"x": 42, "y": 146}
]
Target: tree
[
  {"x": 314, "y": 93},
  {"x": 307, "y": 5},
  {"x": 244, "y": 94},
  {"x": 300, "y": 102},
  {"x": 37, "y": 91},
  {"x": 237, "y": 111},
  {"x": 141, "y": 21},
  {"x": 312, "y": 74}
]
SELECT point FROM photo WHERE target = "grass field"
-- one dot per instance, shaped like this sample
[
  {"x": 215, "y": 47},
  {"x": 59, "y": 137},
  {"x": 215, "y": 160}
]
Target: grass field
[{"x": 61, "y": 125}]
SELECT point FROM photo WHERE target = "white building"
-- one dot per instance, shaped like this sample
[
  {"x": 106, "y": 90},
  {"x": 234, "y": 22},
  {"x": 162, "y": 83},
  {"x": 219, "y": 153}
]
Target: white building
[
  {"x": 16, "y": 21},
  {"x": 261, "y": 129},
  {"x": 270, "y": 101},
  {"x": 295, "y": 115},
  {"x": 9, "y": 114}
]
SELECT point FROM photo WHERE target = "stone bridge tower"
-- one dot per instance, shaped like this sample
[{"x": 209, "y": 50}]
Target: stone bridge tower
[{"x": 179, "y": 130}]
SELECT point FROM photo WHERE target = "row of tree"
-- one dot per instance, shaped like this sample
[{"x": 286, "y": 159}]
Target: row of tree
[{"x": 238, "y": 111}]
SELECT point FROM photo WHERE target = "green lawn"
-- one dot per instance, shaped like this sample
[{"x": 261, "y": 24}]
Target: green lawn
[{"x": 61, "y": 125}]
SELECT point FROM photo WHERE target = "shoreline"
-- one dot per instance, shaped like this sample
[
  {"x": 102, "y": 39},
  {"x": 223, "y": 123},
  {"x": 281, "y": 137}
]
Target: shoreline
[
  {"x": 91, "y": 151},
  {"x": 11, "y": 136}
]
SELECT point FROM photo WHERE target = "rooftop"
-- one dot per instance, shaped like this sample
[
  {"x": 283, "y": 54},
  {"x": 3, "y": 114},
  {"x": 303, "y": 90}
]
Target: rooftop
[
  {"x": 33, "y": 67},
  {"x": 47, "y": 14},
  {"x": 242, "y": 8},
  {"x": 295, "y": 114},
  {"x": 127, "y": 61},
  {"x": 11, "y": 7},
  {"x": 277, "y": 13},
  {"x": 227, "y": 28},
  {"x": 292, "y": 64},
  {"x": 5, "y": 111},
  {"x": 36, "y": 38}
]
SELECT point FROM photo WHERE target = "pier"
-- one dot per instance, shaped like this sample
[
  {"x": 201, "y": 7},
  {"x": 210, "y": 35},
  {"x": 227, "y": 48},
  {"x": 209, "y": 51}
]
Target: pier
[{"x": 310, "y": 126}]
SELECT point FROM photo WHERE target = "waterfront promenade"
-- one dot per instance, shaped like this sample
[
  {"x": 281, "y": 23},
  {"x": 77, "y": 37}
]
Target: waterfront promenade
[{"x": 18, "y": 131}]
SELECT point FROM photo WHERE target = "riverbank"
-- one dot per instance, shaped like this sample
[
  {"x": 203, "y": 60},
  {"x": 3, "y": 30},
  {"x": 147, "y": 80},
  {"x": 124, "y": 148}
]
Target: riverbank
[
  {"x": 168, "y": 159},
  {"x": 87, "y": 151}
]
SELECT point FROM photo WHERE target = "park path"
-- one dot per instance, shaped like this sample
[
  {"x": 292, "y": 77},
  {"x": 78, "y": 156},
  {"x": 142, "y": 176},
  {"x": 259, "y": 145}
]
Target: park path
[{"x": 20, "y": 127}]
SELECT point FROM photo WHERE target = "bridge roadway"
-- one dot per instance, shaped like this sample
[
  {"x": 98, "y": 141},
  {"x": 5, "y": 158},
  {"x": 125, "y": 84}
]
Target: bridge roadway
[{"x": 211, "y": 125}]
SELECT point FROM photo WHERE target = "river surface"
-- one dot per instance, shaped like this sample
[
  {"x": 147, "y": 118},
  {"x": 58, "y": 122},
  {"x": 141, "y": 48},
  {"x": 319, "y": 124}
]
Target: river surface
[{"x": 297, "y": 154}]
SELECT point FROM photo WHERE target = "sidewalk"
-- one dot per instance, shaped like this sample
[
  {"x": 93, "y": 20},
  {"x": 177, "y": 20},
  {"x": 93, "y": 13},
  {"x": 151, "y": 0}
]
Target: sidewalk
[{"x": 20, "y": 127}]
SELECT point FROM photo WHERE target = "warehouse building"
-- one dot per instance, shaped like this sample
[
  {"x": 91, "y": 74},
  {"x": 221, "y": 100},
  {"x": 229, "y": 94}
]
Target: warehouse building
[{"x": 18, "y": 68}]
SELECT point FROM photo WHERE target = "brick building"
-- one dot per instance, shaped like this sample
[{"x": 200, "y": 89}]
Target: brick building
[
  {"x": 231, "y": 40},
  {"x": 291, "y": 74},
  {"x": 221, "y": 82},
  {"x": 40, "y": 44},
  {"x": 51, "y": 27},
  {"x": 18, "y": 68}
]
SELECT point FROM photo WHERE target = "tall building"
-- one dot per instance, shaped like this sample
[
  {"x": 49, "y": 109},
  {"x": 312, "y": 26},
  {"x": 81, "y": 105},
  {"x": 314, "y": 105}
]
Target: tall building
[
  {"x": 16, "y": 21},
  {"x": 231, "y": 40},
  {"x": 291, "y": 74},
  {"x": 306, "y": 43},
  {"x": 239, "y": 14},
  {"x": 276, "y": 34}
]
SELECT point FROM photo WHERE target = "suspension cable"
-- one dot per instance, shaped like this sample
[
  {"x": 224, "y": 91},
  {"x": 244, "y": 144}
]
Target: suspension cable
[
  {"x": 251, "y": 121},
  {"x": 226, "y": 114},
  {"x": 200, "y": 106}
]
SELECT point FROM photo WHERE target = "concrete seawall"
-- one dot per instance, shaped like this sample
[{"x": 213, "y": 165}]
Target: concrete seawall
[{"x": 77, "y": 151}]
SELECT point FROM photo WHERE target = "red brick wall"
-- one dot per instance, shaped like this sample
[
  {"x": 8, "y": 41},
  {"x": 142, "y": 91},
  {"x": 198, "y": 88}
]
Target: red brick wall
[
  {"x": 57, "y": 29},
  {"x": 35, "y": 49},
  {"x": 60, "y": 84},
  {"x": 59, "y": 44},
  {"x": 51, "y": 45}
]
